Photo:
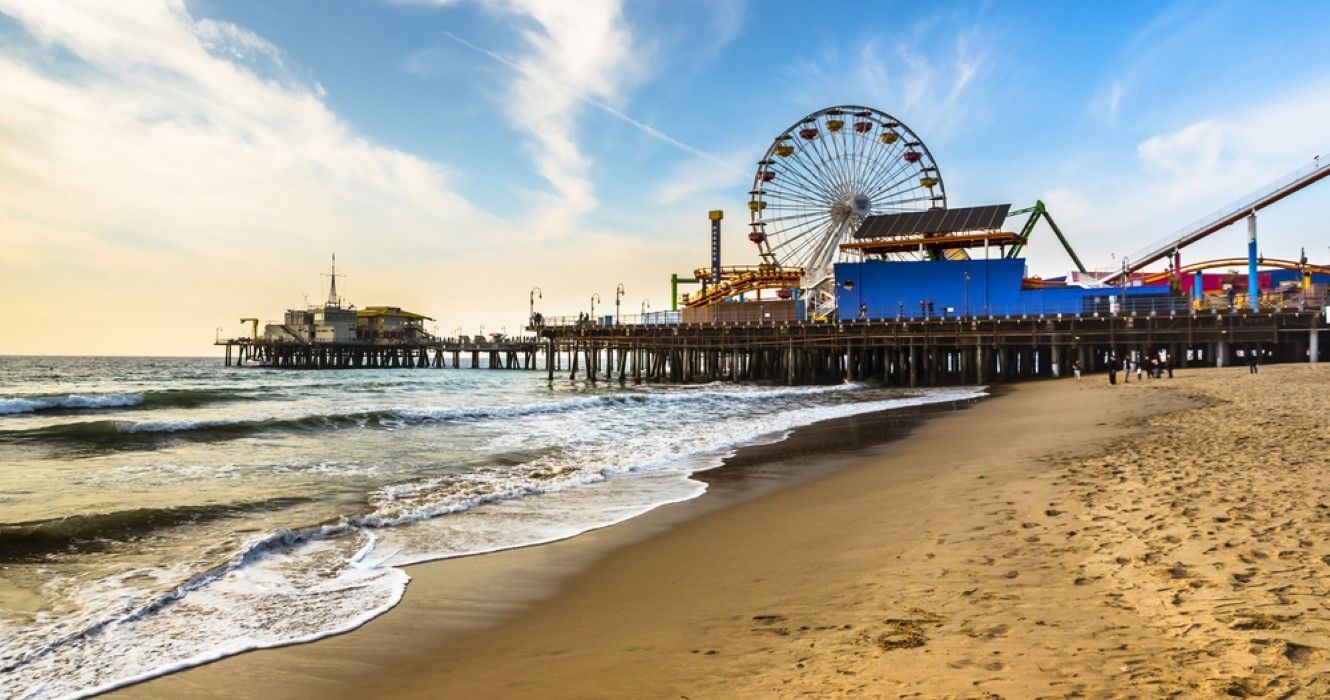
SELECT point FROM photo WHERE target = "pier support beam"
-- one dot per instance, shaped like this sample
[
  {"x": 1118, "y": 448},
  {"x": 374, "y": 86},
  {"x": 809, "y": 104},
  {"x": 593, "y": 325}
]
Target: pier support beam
[{"x": 1253, "y": 278}]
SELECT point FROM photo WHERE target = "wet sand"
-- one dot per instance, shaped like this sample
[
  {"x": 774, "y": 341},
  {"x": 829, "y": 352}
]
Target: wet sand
[{"x": 1158, "y": 538}]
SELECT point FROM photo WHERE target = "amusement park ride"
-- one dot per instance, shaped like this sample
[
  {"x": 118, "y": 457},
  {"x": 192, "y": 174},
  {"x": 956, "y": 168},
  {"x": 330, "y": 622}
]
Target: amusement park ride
[{"x": 852, "y": 184}]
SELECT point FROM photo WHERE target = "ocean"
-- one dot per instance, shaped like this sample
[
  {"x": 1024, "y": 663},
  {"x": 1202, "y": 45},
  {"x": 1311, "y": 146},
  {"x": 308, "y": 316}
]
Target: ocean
[{"x": 158, "y": 513}]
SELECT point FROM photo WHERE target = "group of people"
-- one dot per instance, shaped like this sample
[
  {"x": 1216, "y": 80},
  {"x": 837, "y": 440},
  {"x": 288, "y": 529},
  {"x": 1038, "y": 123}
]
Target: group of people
[{"x": 1153, "y": 368}]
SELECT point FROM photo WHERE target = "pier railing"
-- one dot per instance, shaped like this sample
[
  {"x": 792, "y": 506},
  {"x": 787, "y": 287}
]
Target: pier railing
[
  {"x": 651, "y": 318},
  {"x": 1112, "y": 304}
]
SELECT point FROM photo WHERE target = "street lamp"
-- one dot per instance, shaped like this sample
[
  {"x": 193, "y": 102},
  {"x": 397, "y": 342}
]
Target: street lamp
[
  {"x": 618, "y": 295},
  {"x": 646, "y": 304},
  {"x": 595, "y": 297},
  {"x": 535, "y": 292},
  {"x": 967, "y": 293}
]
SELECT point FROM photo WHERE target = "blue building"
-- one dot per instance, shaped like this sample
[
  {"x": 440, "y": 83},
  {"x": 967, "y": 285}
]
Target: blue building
[{"x": 950, "y": 288}]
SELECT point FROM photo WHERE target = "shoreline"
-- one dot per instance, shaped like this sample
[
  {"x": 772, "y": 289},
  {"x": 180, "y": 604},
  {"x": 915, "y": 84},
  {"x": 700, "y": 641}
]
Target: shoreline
[
  {"x": 1063, "y": 539},
  {"x": 471, "y": 583}
]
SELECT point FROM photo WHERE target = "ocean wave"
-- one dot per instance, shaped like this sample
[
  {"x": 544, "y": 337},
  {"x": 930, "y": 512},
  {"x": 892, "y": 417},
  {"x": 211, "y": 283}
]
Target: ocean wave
[
  {"x": 26, "y": 540},
  {"x": 165, "y": 398},
  {"x": 392, "y": 505},
  {"x": 124, "y": 433},
  {"x": 14, "y": 405}
]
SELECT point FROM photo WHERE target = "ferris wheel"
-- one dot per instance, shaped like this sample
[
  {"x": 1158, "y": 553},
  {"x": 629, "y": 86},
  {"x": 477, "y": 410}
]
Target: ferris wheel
[{"x": 828, "y": 171}]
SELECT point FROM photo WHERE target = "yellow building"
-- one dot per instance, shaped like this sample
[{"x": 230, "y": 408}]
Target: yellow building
[{"x": 390, "y": 323}]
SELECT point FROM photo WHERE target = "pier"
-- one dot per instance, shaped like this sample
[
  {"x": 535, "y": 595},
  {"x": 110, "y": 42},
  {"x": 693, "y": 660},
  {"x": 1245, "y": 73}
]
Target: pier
[
  {"x": 433, "y": 354},
  {"x": 923, "y": 352}
]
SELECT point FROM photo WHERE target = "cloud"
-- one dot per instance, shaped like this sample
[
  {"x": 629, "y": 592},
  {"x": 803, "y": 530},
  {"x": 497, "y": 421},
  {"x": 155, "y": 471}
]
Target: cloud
[
  {"x": 164, "y": 167},
  {"x": 575, "y": 52},
  {"x": 1168, "y": 40},
  {"x": 161, "y": 173},
  {"x": 931, "y": 69},
  {"x": 1193, "y": 171},
  {"x": 698, "y": 177}
]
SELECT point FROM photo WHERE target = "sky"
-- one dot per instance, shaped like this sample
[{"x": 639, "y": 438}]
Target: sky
[{"x": 167, "y": 168}]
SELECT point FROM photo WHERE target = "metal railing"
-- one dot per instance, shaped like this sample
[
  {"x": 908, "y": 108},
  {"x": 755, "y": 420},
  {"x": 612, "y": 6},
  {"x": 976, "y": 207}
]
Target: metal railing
[
  {"x": 651, "y": 318},
  {"x": 1111, "y": 305}
]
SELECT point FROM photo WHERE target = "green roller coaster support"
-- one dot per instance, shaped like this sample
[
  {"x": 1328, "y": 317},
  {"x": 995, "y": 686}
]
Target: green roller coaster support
[
  {"x": 675, "y": 280},
  {"x": 1036, "y": 211}
]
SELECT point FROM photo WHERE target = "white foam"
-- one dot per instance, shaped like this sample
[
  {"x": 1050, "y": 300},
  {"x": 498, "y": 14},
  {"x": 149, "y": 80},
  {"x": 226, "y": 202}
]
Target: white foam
[
  {"x": 292, "y": 586},
  {"x": 15, "y": 405}
]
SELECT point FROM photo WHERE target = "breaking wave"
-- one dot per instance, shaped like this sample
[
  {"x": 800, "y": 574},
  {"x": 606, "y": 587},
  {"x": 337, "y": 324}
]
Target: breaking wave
[
  {"x": 168, "y": 398},
  {"x": 129, "y": 434},
  {"x": 25, "y": 540}
]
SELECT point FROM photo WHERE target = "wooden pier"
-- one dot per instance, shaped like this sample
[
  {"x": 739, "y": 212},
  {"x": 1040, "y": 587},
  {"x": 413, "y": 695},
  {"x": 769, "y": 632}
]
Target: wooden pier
[
  {"x": 259, "y": 352},
  {"x": 922, "y": 352}
]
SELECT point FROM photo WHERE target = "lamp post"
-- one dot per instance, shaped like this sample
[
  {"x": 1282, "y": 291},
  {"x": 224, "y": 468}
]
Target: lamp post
[
  {"x": 595, "y": 297},
  {"x": 966, "y": 308},
  {"x": 535, "y": 292},
  {"x": 646, "y": 304},
  {"x": 618, "y": 295}
]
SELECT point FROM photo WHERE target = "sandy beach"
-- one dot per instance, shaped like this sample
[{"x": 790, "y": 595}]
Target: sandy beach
[{"x": 1162, "y": 538}]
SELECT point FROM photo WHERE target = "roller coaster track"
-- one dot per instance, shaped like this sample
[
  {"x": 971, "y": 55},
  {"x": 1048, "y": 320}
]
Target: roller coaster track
[
  {"x": 1235, "y": 263},
  {"x": 1231, "y": 214}
]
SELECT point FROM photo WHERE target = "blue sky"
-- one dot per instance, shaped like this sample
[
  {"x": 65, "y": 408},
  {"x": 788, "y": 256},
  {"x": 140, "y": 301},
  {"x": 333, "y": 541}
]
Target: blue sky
[{"x": 456, "y": 153}]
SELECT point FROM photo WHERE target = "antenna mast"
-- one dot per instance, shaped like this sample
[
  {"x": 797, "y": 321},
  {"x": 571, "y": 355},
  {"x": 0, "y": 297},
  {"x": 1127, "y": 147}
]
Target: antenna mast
[{"x": 333, "y": 299}]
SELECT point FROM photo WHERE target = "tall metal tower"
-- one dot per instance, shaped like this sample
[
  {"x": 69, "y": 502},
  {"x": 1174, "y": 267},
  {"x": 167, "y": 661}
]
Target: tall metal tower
[{"x": 333, "y": 299}]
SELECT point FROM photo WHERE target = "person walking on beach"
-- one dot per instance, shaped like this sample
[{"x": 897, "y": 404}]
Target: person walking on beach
[
  {"x": 1253, "y": 362},
  {"x": 1126, "y": 370},
  {"x": 1076, "y": 369},
  {"x": 1112, "y": 369},
  {"x": 1140, "y": 368},
  {"x": 1168, "y": 364}
]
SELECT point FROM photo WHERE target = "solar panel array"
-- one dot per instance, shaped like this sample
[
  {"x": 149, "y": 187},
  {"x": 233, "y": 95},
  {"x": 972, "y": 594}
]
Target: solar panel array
[{"x": 934, "y": 221}]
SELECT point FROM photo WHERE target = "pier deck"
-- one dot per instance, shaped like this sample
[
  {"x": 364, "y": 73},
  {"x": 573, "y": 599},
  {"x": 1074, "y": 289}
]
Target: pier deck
[
  {"x": 971, "y": 350},
  {"x": 260, "y": 352}
]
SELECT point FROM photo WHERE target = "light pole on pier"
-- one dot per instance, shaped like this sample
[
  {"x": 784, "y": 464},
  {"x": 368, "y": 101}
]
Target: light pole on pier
[
  {"x": 618, "y": 296},
  {"x": 535, "y": 292},
  {"x": 646, "y": 304},
  {"x": 595, "y": 297},
  {"x": 967, "y": 293}
]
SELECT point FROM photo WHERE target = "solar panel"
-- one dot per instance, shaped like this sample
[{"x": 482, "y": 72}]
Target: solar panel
[{"x": 933, "y": 221}]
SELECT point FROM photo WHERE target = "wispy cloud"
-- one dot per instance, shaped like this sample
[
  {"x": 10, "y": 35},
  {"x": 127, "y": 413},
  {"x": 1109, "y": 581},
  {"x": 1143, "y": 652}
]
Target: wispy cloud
[
  {"x": 168, "y": 138},
  {"x": 932, "y": 69},
  {"x": 645, "y": 128},
  {"x": 1185, "y": 173},
  {"x": 576, "y": 52},
  {"x": 1157, "y": 44}
]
